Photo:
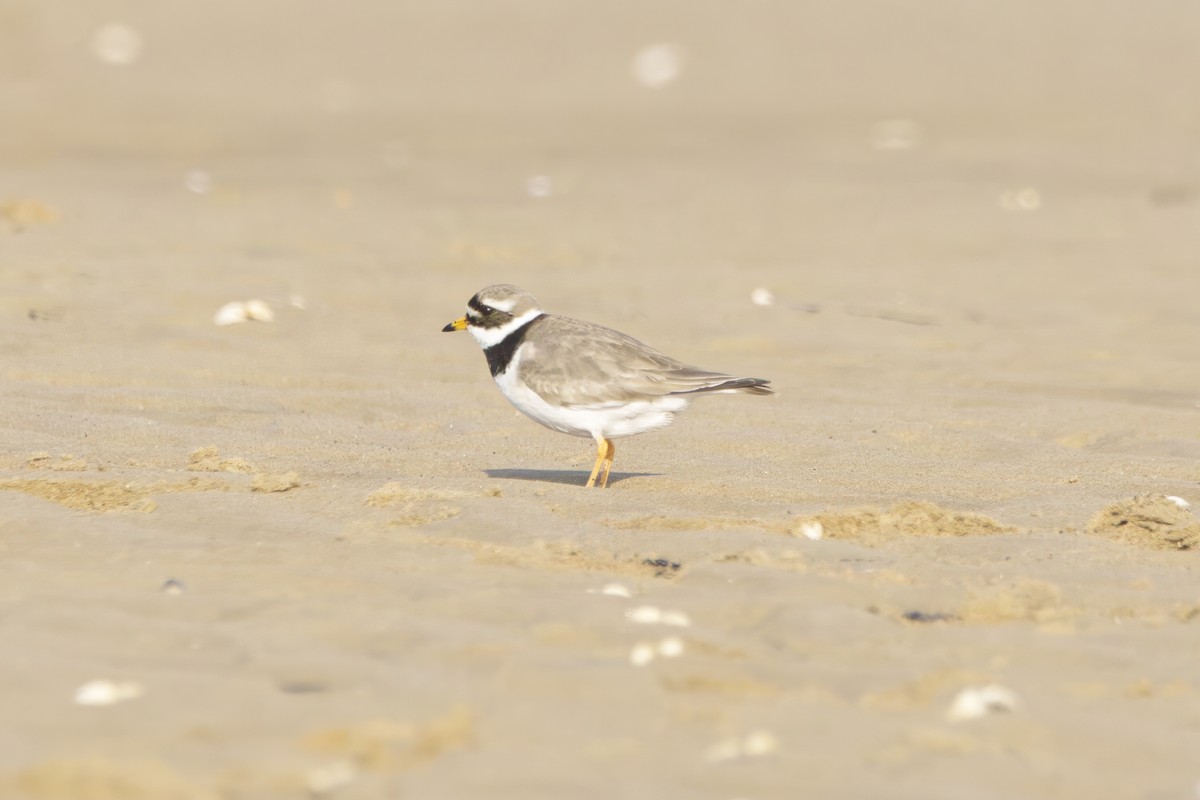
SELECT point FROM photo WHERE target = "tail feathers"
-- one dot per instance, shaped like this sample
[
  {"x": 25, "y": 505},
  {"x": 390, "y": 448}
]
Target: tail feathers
[{"x": 744, "y": 385}]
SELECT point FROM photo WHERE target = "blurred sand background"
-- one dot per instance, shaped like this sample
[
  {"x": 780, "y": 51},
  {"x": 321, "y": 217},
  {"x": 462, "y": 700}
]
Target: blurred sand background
[{"x": 322, "y": 557}]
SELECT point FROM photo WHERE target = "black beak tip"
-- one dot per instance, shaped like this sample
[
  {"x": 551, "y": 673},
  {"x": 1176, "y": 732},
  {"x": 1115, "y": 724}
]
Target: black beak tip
[{"x": 449, "y": 328}]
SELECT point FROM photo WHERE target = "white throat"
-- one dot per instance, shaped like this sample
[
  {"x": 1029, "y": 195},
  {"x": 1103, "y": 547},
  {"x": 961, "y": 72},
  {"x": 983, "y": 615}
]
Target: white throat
[{"x": 489, "y": 337}]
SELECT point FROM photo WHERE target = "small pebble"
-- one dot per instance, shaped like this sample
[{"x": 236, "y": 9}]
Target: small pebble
[
  {"x": 662, "y": 566},
  {"x": 927, "y": 616},
  {"x": 172, "y": 586},
  {"x": 302, "y": 686},
  {"x": 616, "y": 590}
]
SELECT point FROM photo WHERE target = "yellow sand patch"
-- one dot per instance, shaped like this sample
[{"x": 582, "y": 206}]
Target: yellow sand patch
[
  {"x": 267, "y": 483},
  {"x": 1022, "y": 600},
  {"x": 106, "y": 495},
  {"x": 664, "y": 523},
  {"x": 27, "y": 213},
  {"x": 64, "y": 463},
  {"x": 921, "y": 692},
  {"x": 910, "y": 518},
  {"x": 1148, "y": 520},
  {"x": 101, "y": 779},
  {"x": 418, "y": 506},
  {"x": 414, "y": 515},
  {"x": 388, "y": 746},
  {"x": 208, "y": 459},
  {"x": 395, "y": 494}
]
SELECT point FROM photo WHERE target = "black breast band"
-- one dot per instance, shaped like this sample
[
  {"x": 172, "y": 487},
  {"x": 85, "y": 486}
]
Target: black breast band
[{"x": 500, "y": 355}]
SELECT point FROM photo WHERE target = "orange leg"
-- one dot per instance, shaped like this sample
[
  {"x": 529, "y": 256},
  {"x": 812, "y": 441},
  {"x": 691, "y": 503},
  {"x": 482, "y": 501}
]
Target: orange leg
[
  {"x": 608, "y": 459},
  {"x": 604, "y": 458}
]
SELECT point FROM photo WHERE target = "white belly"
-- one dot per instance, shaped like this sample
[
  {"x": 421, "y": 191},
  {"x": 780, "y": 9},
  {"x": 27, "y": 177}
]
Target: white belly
[{"x": 603, "y": 420}]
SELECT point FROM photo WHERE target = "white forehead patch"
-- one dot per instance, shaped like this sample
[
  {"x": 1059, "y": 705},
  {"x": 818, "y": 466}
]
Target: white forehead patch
[{"x": 505, "y": 305}]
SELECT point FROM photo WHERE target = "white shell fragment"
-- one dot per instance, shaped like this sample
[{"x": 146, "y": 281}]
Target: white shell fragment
[
  {"x": 895, "y": 134},
  {"x": 616, "y": 590},
  {"x": 652, "y": 615},
  {"x": 244, "y": 311},
  {"x": 230, "y": 313},
  {"x": 539, "y": 187},
  {"x": 724, "y": 750},
  {"x": 643, "y": 615},
  {"x": 259, "y": 311},
  {"x": 1020, "y": 200},
  {"x": 671, "y": 647},
  {"x": 677, "y": 619},
  {"x": 644, "y": 652},
  {"x": 1179, "y": 501},
  {"x": 328, "y": 778},
  {"x": 641, "y": 654},
  {"x": 976, "y": 702},
  {"x": 107, "y": 693},
  {"x": 197, "y": 181},
  {"x": 755, "y": 744},
  {"x": 762, "y": 297},
  {"x": 759, "y": 743},
  {"x": 812, "y": 530},
  {"x": 658, "y": 65},
  {"x": 116, "y": 43}
]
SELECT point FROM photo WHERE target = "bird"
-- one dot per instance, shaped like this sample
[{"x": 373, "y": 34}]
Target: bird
[{"x": 581, "y": 378}]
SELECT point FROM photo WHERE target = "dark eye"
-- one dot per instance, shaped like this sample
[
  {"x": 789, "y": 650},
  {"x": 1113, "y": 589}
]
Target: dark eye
[{"x": 487, "y": 309}]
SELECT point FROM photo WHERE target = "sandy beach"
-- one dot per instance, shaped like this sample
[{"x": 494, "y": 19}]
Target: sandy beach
[{"x": 318, "y": 555}]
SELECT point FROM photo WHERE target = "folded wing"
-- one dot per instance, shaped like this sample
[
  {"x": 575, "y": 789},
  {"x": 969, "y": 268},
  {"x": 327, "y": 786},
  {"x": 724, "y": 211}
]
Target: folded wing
[{"x": 580, "y": 363}]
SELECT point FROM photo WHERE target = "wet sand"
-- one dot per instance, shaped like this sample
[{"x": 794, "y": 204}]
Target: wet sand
[{"x": 321, "y": 556}]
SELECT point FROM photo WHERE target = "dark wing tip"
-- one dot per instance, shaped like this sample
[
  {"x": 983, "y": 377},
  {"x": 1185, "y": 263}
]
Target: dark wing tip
[
  {"x": 751, "y": 385},
  {"x": 747, "y": 385},
  {"x": 759, "y": 386}
]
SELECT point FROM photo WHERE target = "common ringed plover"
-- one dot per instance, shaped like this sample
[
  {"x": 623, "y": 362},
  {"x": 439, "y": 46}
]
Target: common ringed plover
[{"x": 584, "y": 379}]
